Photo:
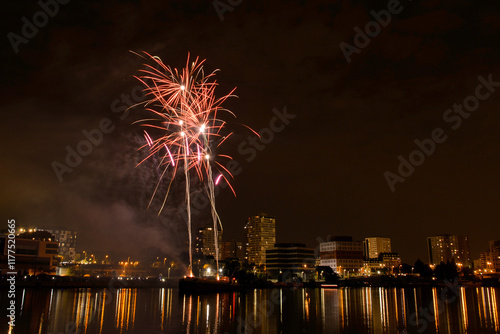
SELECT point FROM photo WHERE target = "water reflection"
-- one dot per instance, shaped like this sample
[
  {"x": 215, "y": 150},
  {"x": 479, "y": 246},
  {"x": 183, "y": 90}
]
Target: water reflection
[
  {"x": 344, "y": 310},
  {"x": 125, "y": 310}
]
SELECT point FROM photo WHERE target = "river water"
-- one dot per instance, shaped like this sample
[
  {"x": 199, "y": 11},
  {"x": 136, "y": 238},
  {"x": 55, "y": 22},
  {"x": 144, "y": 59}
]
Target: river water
[{"x": 291, "y": 310}]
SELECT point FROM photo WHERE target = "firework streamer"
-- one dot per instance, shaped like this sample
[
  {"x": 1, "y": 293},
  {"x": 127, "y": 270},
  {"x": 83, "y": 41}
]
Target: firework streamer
[
  {"x": 188, "y": 206},
  {"x": 211, "y": 195}
]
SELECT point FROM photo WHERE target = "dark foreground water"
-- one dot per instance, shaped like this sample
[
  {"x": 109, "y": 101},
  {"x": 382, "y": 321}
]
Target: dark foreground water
[{"x": 344, "y": 310}]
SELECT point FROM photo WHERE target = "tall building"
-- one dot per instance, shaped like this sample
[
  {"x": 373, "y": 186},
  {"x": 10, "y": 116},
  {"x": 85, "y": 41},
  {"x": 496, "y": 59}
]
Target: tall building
[
  {"x": 384, "y": 264},
  {"x": 342, "y": 254},
  {"x": 495, "y": 254},
  {"x": 66, "y": 240},
  {"x": 490, "y": 260},
  {"x": 443, "y": 248},
  {"x": 232, "y": 250},
  {"x": 372, "y": 247},
  {"x": 290, "y": 260},
  {"x": 485, "y": 261},
  {"x": 260, "y": 234},
  {"x": 205, "y": 241}
]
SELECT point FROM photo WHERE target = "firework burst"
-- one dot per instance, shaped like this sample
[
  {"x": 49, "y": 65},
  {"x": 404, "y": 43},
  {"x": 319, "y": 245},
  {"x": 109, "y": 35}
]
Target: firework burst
[{"x": 184, "y": 130}]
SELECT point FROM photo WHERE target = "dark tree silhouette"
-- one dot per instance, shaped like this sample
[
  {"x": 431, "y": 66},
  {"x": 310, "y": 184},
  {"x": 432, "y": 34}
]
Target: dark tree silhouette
[
  {"x": 405, "y": 268},
  {"x": 421, "y": 268},
  {"x": 327, "y": 273},
  {"x": 446, "y": 271}
]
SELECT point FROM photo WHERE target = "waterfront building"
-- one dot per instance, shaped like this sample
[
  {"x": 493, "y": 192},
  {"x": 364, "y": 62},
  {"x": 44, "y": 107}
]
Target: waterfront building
[
  {"x": 232, "y": 250},
  {"x": 495, "y": 254},
  {"x": 372, "y": 267},
  {"x": 373, "y": 246},
  {"x": 445, "y": 247},
  {"x": 67, "y": 242},
  {"x": 260, "y": 232},
  {"x": 205, "y": 241},
  {"x": 390, "y": 260},
  {"x": 384, "y": 264},
  {"x": 342, "y": 254},
  {"x": 288, "y": 260},
  {"x": 36, "y": 252},
  {"x": 489, "y": 261}
]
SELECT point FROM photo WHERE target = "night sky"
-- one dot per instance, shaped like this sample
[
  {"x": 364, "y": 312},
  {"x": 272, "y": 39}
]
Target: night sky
[{"x": 323, "y": 174}]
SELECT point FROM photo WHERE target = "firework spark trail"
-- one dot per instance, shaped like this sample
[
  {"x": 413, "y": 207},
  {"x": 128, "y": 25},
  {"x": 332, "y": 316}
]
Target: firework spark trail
[
  {"x": 184, "y": 122},
  {"x": 214, "y": 218},
  {"x": 188, "y": 205}
]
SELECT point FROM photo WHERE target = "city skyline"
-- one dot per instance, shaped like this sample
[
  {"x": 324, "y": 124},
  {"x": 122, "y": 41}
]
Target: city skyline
[{"x": 371, "y": 247}]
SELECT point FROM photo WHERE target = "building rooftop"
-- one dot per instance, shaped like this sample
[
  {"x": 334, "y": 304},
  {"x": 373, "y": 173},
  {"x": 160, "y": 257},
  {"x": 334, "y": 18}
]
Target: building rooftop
[
  {"x": 340, "y": 238},
  {"x": 289, "y": 245},
  {"x": 37, "y": 235}
]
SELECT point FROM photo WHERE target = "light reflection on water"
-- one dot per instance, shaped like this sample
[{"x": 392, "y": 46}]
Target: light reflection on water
[{"x": 344, "y": 310}]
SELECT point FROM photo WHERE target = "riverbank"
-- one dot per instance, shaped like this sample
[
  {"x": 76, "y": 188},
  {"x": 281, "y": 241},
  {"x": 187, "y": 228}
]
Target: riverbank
[{"x": 62, "y": 282}]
